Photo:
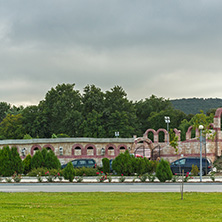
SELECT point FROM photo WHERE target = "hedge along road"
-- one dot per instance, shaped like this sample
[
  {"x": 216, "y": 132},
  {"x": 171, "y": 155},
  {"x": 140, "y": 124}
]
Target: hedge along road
[{"x": 110, "y": 187}]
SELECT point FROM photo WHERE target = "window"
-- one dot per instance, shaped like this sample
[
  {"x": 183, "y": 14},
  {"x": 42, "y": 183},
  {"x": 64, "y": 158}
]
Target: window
[
  {"x": 180, "y": 162},
  {"x": 90, "y": 151},
  {"x": 74, "y": 162},
  {"x": 78, "y": 151},
  {"x": 111, "y": 151},
  {"x": 82, "y": 162},
  {"x": 122, "y": 149}
]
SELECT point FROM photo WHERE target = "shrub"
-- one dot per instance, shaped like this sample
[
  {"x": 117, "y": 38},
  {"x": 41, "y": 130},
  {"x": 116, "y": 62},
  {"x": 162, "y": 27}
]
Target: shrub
[
  {"x": 106, "y": 166},
  {"x": 16, "y": 177},
  {"x": 85, "y": 171},
  {"x": 194, "y": 170},
  {"x": 163, "y": 171},
  {"x": 27, "y": 164},
  {"x": 45, "y": 159},
  {"x": 153, "y": 166},
  {"x": 218, "y": 163},
  {"x": 51, "y": 161},
  {"x": 37, "y": 160},
  {"x": 143, "y": 177},
  {"x": 27, "y": 137},
  {"x": 140, "y": 165},
  {"x": 123, "y": 164},
  {"x": 41, "y": 171},
  {"x": 62, "y": 135},
  {"x": 122, "y": 178},
  {"x": 69, "y": 172},
  {"x": 10, "y": 161},
  {"x": 16, "y": 161}
]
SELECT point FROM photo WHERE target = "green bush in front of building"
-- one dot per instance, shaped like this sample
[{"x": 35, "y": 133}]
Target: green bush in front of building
[
  {"x": 69, "y": 172},
  {"x": 10, "y": 161},
  {"x": 163, "y": 171},
  {"x": 106, "y": 166}
]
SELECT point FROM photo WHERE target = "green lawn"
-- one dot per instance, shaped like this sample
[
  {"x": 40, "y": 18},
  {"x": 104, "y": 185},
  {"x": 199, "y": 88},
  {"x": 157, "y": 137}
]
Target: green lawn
[{"x": 110, "y": 207}]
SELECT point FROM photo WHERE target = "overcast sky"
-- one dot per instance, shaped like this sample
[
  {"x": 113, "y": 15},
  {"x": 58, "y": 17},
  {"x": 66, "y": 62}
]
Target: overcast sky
[{"x": 169, "y": 48}]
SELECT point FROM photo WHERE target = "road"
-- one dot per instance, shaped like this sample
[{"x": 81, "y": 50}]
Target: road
[{"x": 110, "y": 187}]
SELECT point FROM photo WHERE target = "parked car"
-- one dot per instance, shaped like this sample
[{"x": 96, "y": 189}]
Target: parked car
[
  {"x": 186, "y": 165},
  {"x": 78, "y": 163}
]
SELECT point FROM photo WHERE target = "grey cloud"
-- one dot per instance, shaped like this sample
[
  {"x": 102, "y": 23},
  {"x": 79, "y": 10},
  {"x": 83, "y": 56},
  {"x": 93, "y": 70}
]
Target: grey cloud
[{"x": 148, "y": 47}]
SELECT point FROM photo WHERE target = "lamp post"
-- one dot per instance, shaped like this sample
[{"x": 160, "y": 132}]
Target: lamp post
[
  {"x": 167, "y": 121},
  {"x": 103, "y": 151},
  {"x": 201, "y": 128}
]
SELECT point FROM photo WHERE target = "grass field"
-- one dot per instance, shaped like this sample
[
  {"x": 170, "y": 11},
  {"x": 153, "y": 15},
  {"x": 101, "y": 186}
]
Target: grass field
[{"x": 110, "y": 207}]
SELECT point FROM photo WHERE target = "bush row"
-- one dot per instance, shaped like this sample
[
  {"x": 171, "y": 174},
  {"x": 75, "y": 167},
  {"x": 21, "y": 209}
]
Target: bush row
[
  {"x": 11, "y": 162},
  {"x": 127, "y": 164}
]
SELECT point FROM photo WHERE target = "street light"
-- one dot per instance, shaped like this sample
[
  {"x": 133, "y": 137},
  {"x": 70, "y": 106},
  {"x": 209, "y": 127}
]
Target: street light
[
  {"x": 201, "y": 128},
  {"x": 167, "y": 121}
]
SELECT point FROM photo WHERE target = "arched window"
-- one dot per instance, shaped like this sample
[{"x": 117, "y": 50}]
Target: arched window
[
  {"x": 122, "y": 149},
  {"x": 78, "y": 151},
  {"x": 111, "y": 151},
  {"x": 90, "y": 151},
  {"x": 35, "y": 150}
]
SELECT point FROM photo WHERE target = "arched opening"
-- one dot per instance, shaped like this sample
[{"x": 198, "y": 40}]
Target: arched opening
[
  {"x": 122, "y": 149},
  {"x": 77, "y": 151},
  {"x": 161, "y": 136},
  {"x": 35, "y": 150},
  {"x": 90, "y": 151},
  {"x": 142, "y": 149},
  {"x": 111, "y": 151},
  {"x": 151, "y": 136},
  {"x": 48, "y": 148}
]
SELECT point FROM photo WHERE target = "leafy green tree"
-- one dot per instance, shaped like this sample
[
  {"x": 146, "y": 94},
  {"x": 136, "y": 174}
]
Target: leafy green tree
[
  {"x": 34, "y": 121},
  {"x": 144, "y": 108},
  {"x": 93, "y": 100},
  {"x": 119, "y": 114},
  {"x": 4, "y": 108},
  {"x": 11, "y": 127},
  {"x": 163, "y": 171},
  {"x": 62, "y": 108},
  {"x": 27, "y": 164},
  {"x": 92, "y": 126},
  {"x": 69, "y": 172}
]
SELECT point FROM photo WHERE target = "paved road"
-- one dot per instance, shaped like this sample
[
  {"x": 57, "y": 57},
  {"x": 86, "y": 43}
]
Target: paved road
[{"x": 111, "y": 187}]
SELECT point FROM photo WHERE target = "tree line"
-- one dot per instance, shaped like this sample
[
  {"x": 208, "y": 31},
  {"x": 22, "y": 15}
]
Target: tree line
[
  {"x": 65, "y": 112},
  {"x": 193, "y": 105}
]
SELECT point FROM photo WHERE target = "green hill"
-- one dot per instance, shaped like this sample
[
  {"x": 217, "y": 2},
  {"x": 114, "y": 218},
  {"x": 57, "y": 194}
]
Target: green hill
[{"x": 194, "y": 105}]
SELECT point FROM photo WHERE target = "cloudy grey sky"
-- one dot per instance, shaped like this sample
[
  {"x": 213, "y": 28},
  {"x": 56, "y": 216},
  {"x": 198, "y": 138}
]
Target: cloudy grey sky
[{"x": 169, "y": 48}]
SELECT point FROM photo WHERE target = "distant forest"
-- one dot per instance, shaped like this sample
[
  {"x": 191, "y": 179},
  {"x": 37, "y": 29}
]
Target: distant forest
[{"x": 194, "y": 105}]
